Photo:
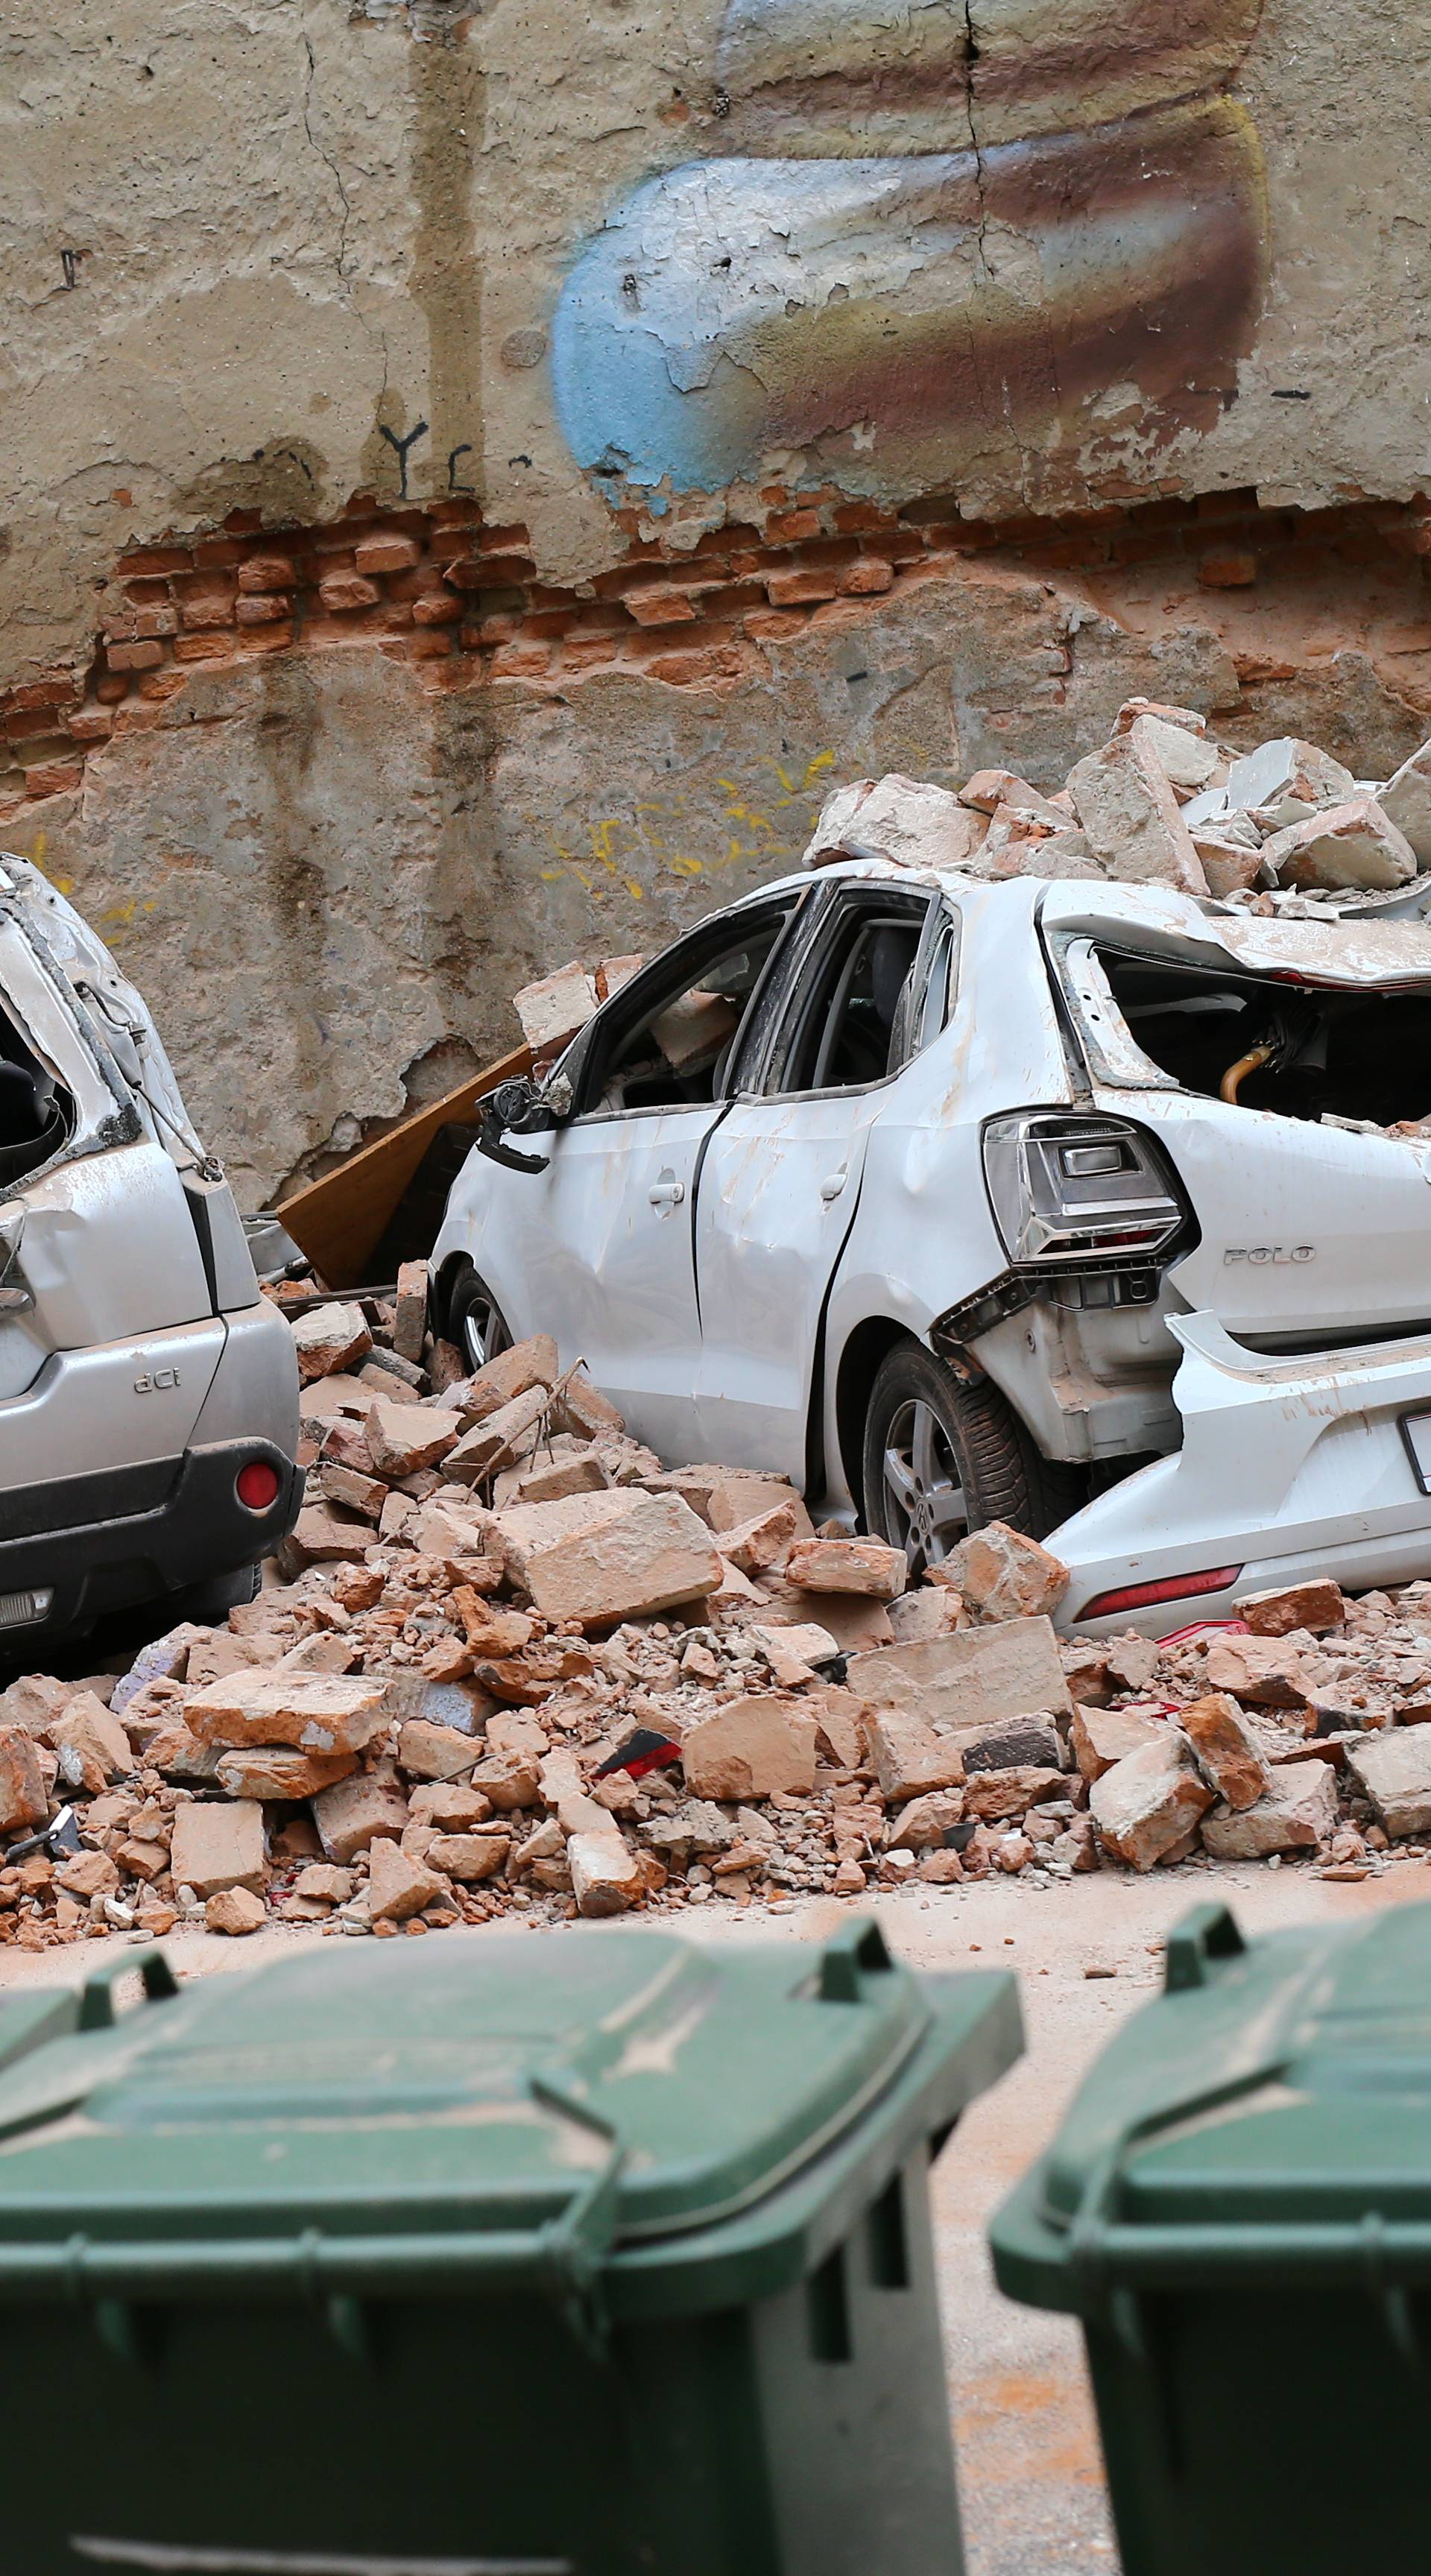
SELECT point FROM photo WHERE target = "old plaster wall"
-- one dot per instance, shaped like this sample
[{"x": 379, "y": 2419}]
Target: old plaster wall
[{"x": 745, "y": 395}]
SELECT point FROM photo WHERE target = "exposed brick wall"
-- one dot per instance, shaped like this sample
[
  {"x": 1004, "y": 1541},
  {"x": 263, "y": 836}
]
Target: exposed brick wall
[{"x": 434, "y": 585}]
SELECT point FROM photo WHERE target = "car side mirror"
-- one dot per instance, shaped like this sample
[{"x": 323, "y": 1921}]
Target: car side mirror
[{"x": 517, "y": 1108}]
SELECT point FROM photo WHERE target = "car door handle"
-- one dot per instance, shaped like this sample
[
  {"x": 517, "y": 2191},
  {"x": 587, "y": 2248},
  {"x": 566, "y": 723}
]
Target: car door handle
[
  {"x": 834, "y": 1182},
  {"x": 664, "y": 1194}
]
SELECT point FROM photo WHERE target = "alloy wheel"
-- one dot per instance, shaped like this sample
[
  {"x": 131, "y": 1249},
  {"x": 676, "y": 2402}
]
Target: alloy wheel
[{"x": 927, "y": 1513}]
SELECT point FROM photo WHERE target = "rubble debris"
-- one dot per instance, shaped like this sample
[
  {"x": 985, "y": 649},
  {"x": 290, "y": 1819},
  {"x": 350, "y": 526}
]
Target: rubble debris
[{"x": 496, "y": 1699}]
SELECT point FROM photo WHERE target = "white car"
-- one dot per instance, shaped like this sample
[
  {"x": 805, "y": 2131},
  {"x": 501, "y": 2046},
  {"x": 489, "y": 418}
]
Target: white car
[
  {"x": 1064, "y": 1204},
  {"x": 148, "y": 1393}
]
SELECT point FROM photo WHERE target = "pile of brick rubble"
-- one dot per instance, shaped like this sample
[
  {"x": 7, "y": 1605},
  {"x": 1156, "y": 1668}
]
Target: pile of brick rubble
[{"x": 511, "y": 1664}]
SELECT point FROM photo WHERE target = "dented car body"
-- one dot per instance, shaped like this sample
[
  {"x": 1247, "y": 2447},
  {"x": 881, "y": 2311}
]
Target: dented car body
[
  {"x": 1102, "y": 1209},
  {"x": 148, "y": 1394}
]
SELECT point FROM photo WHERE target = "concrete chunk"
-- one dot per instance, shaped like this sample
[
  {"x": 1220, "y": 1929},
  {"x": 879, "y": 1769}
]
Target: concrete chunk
[
  {"x": 650, "y": 1556},
  {"x": 553, "y": 1008},
  {"x": 923, "y": 1824},
  {"x": 966, "y": 1679},
  {"x": 1146, "y": 1806},
  {"x": 1130, "y": 814},
  {"x": 399, "y": 1885},
  {"x": 497, "y": 1440},
  {"x": 1004, "y": 1742},
  {"x": 1351, "y": 845},
  {"x": 1298, "y": 1812},
  {"x": 350, "y": 1813},
  {"x": 1285, "y": 781},
  {"x": 217, "y": 1846},
  {"x": 750, "y": 1748},
  {"x": 1406, "y": 802},
  {"x": 330, "y": 1338},
  {"x": 606, "y": 1878},
  {"x": 23, "y": 1799},
  {"x": 1394, "y": 1768},
  {"x": 316, "y": 1712},
  {"x": 909, "y": 1757},
  {"x": 1099, "y": 1737},
  {"x": 403, "y": 1438},
  {"x": 1003, "y": 1575},
  {"x": 994, "y": 1794},
  {"x": 861, "y": 1565},
  {"x": 236, "y": 1911},
  {"x": 514, "y": 1372},
  {"x": 277, "y": 1771},
  {"x": 1315, "y": 1606},
  {"x": 1225, "y": 1750},
  {"x": 92, "y": 1746},
  {"x": 431, "y": 1752},
  {"x": 468, "y": 1857}
]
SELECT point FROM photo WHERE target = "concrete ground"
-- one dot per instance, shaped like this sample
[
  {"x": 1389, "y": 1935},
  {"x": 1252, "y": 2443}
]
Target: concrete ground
[{"x": 1031, "y": 2475}]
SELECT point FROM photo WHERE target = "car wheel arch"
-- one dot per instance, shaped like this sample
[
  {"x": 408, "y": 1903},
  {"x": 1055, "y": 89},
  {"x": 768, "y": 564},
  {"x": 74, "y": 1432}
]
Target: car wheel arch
[{"x": 865, "y": 1350}]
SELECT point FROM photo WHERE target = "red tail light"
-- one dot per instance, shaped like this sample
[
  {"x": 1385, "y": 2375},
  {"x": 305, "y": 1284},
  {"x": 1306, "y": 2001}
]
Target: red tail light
[
  {"x": 258, "y": 1485},
  {"x": 1173, "y": 1587}
]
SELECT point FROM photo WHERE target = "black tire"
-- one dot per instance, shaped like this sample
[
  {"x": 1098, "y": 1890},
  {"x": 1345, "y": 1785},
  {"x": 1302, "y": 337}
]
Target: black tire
[
  {"x": 475, "y": 1322},
  {"x": 966, "y": 1457}
]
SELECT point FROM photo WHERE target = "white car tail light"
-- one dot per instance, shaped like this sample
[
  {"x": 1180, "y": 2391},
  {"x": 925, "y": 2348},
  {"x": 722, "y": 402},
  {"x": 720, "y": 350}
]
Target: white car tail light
[{"x": 1073, "y": 1190}]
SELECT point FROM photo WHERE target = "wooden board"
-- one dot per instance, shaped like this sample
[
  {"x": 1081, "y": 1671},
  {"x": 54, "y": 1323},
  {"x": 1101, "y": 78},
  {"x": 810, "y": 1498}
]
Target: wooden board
[{"x": 339, "y": 1220}]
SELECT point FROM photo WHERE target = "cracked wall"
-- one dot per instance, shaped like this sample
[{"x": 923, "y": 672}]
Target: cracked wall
[{"x": 1119, "y": 326}]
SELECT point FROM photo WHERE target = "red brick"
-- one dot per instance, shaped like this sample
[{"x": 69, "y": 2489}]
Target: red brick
[
  {"x": 265, "y": 610},
  {"x": 41, "y": 693},
  {"x": 202, "y": 614},
  {"x": 860, "y": 518},
  {"x": 245, "y": 523},
  {"x": 507, "y": 540},
  {"x": 91, "y": 724},
  {"x": 134, "y": 657},
  {"x": 1225, "y": 505},
  {"x": 588, "y": 652},
  {"x": 786, "y": 527},
  {"x": 660, "y": 607},
  {"x": 260, "y": 639},
  {"x": 1227, "y": 571},
  {"x": 53, "y": 777},
  {"x": 111, "y": 686},
  {"x": 159, "y": 685},
  {"x": 519, "y": 661},
  {"x": 214, "y": 647},
  {"x": 798, "y": 589},
  {"x": 136, "y": 717},
  {"x": 866, "y": 580},
  {"x": 23, "y": 728},
  {"x": 772, "y": 625},
  {"x": 385, "y": 553},
  {"x": 731, "y": 598},
  {"x": 159, "y": 620},
  {"x": 217, "y": 553},
  {"x": 332, "y": 541},
  {"x": 154, "y": 559},
  {"x": 429, "y": 646},
  {"x": 543, "y": 623},
  {"x": 490, "y": 572},
  {"x": 456, "y": 513},
  {"x": 396, "y": 618},
  {"x": 267, "y": 572},
  {"x": 347, "y": 590},
  {"x": 151, "y": 588},
  {"x": 436, "y": 608}
]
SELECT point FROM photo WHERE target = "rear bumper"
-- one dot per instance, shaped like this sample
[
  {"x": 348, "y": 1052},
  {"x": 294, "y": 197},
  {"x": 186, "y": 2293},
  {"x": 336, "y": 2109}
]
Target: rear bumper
[
  {"x": 127, "y": 1535},
  {"x": 1288, "y": 1468}
]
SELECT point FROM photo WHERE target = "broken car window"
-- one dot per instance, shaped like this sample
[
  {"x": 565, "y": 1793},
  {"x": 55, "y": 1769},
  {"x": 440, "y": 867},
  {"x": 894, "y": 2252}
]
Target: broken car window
[
  {"x": 34, "y": 1111},
  {"x": 1263, "y": 1042},
  {"x": 850, "y": 1024},
  {"x": 677, "y": 1049}
]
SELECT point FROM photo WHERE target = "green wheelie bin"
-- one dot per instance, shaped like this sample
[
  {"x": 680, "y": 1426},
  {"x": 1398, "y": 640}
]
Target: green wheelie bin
[
  {"x": 1238, "y": 2206},
  {"x": 581, "y": 2253}
]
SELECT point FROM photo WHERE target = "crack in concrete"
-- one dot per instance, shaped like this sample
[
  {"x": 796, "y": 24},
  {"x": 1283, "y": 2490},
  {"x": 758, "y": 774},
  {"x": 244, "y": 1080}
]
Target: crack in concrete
[{"x": 327, "y": 158}]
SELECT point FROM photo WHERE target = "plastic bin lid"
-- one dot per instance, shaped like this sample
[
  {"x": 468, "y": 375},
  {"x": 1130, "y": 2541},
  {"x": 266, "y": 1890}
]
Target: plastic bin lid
[
  {"x": 506, "y": 2101},
  {"x": 1266, "y": 2119}
]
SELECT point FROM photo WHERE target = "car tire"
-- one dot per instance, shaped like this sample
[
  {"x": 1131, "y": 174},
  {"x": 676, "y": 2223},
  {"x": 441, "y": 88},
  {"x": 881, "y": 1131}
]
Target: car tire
[
  {"x": 942, "y": 1458},
  {"x": 475, "y": 1322}
]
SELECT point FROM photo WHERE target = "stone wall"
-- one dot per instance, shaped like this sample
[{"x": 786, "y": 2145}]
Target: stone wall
[{"x": 472, "y": 485}]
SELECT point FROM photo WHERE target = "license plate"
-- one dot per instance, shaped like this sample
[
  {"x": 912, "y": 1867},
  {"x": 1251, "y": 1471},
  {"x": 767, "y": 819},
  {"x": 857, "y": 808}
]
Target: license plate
[{"x": 1416, "y": 1432}]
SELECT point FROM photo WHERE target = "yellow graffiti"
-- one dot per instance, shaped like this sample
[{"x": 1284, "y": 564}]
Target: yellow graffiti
[{"x": 768, "y": 820}]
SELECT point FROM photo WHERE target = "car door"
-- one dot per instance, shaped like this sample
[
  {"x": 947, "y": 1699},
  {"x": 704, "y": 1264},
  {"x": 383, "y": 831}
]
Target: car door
[
  {"x": 780, "y": 1179},
  {"x": 599, "y": 1244}
]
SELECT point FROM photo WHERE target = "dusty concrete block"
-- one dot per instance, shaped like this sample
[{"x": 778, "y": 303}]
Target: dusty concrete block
[
  {"x": 324, "y": 1884},
  {"x": 1008, "y": 1792},
  {"x": 410, "y": 1311},
  {"x": 907, "y": 819},
  {"x": 933, "y": 1610},
  {"x": 1284, "y": 781},
  {"x": 350, "y": 1813},
  {"x": 330, "y": 1338},
  {"x": 511, "y": 1432},
  {"x": 451, "y": 1809},
  {"x": 558, "y": 1477},
  {"x": 217, "y": 1846},
  {"x": 399, "y": 1884},
  {"x": 469, "y": 1857},
  {"x": 968, "y": 1678},
  {"x": 555, "y": 1007},
  {"x": 1355, "y": 844},
  {"x": 1226, "y": 1750},
  {"x": 839, "y": 1726},
  {"x": 236, "y": 1911},
  {"x": 792, "y": 1653},
  {"x": 862, "y": 1565},
  {"x": 1259, "y": 1670},
  {"x": 35, "y": 1701},
  {"x": 1315, "y": 1607},
  {"x": 606, "y": 1878},
  {"x": 750, "y": 1748},
  {"x": 323, "y": 1536},
  {"x": 404, "y": 1438},
  {"x": 1394, "y": 1768},
  {"x": 1145, "y": 1807},
  {"x": 1003, "y": 1575},
  {"x": 765, "y": 1539},
  {"x": 431, "y": 1752},
  {"x": 909, "y": 1757},
  {"x": 584, "y": 1411},
  {"x": 92, "y": 1746},
  {"x": 1001, "y": 1743},
  {"x": 514, "y": 1372},
  {"x": 315, "y": 1712},
  {"x": 1099, "y": 1737},
  {"x": 23, "y": 1798},
  {"x": 650, "y": 1555},
  {"x": 1298, "y": 1812},
  {"x": 1406, "y": 801},
  {"x": 1130, "y": 814},
  {"x": 508, "y": 1781},
  {"x": 727, "y": 1497},
  {"x": 278, "y": 1771},
  {"x": 924, "y": 1822},
  {"x": 350, "y": 1491}
]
